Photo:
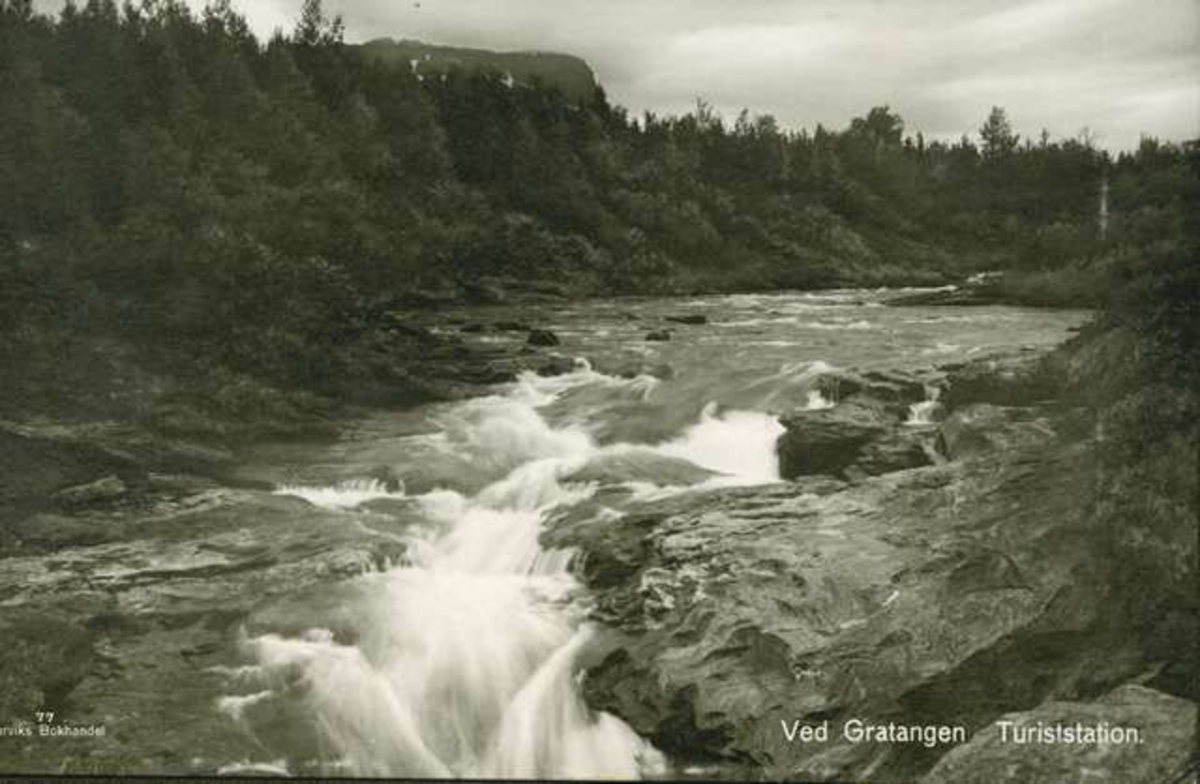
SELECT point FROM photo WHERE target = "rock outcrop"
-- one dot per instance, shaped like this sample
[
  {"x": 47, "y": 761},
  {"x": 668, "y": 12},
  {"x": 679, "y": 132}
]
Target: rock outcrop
[
  {"x": 127, "y": 621},
  {"x": 888, "y": 599},
  {"x": 861, "y": 435},
  {"x": 946, "y": 574},
  {"x": 1165, "y": 729}
]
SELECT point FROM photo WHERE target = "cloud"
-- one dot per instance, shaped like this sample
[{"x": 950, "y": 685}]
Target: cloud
[{"x": 1120, "y": 67}]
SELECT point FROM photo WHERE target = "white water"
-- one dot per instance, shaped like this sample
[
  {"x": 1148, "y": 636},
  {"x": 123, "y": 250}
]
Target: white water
[
  {"x": 923, "y": 411},
  {"x": 466, "y": 661}
]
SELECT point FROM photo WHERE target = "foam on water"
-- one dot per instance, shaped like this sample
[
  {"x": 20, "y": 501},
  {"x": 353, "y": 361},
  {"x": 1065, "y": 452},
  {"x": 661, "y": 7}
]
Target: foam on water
[
  {"x": 922, "y": 412},
  {"x": 465, "y": 662},
  {"x": 344, "y": 495},
  {"x": 740, "y": 444}
]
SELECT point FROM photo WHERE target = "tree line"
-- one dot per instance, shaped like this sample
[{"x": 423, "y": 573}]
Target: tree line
[{"x": 169, "y": 179}]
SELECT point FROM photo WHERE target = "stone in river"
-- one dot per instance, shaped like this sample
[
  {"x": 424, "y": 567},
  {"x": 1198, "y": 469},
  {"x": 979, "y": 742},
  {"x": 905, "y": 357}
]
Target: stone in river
[
  {"x": 108, "y": 488},
  {"x": 828, "y": 441},
  {"x": 659, "y": 335},
  {"x": 692, "y": 318},
  {"x": 556, "y": 365},
  {"x": 542, "y": 337}
]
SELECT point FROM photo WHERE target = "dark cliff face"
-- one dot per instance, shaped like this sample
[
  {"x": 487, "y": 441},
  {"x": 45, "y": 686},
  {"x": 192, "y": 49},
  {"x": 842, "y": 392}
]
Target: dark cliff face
[{"x": 569, "y": 74}]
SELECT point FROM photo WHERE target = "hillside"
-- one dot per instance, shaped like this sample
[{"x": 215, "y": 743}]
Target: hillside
[
  {"x": 570, "y": 74},
  {"x": 243, "y": 215}
]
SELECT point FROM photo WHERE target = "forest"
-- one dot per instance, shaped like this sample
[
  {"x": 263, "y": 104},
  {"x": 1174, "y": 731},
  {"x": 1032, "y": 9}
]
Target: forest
[{"x": 242, "y": 211}]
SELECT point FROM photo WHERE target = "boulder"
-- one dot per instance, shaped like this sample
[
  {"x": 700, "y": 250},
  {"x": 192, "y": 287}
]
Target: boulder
[
  {"x": 103, "y": 490},
  {"x": 827, "y": 441},
  {"x": 542, "y": 337},
  {"x": 1165, "y": 728},
  {"x": 690, "y": 318},
  {"x": 555, "y": 365},
  {"x": 659, "y": 335}
]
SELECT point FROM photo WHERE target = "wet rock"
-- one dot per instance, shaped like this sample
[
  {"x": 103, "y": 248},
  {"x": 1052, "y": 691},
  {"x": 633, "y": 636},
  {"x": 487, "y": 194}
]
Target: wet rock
[
  {"x": 555, "y": 365},
  {"x": 52, "y": 531},
  {"x": 900, "y": 450},
  {"x": 1005, "y": 380},
  {"x": 912, "y": 597},
  {"x": 499, "y": 371},
  {"x": 658, "y": 335},
  {"x": 103, "y": 490},
  {"x": 163, "y": 603},
  {"x": 894, "y": 389},
  {"x": 641, "y": 466},
  {"x": 827, "y": 441},
  {"x": 1165, "y": 726},
  {"x": 690, "y": 318},
  {"x": 542, "y": 337},
  {"x": 982, "y": 428}
]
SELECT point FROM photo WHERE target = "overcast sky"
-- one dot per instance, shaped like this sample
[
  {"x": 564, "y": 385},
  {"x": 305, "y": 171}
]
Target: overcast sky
[{"x": 1119, "y": 67}]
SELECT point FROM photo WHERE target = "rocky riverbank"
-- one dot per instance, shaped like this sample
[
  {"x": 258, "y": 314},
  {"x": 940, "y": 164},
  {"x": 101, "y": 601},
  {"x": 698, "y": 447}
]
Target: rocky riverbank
[
  {"x": 919, "y": 574},
  {"x": 933, "y": 558},
  {"x": 132, "y": 555}
]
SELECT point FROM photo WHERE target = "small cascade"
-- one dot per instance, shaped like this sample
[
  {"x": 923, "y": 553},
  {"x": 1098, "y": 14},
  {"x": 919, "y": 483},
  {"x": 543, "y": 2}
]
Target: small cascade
[
  {"x": 923, "y": 412},
  {"x": 465, "y": 660},
  {"x": 344, "y": 495}
]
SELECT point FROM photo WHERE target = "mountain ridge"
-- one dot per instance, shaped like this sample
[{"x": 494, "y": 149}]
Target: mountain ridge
[{"x": 569, "y": 73}]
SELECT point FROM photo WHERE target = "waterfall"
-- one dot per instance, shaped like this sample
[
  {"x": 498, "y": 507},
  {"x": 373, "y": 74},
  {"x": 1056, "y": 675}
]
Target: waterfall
[{"x": 466, "y": 662}]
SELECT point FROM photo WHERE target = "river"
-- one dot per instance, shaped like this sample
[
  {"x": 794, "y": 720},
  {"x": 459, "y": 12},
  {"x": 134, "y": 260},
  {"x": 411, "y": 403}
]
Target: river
[{"x": 465, "y": 658}]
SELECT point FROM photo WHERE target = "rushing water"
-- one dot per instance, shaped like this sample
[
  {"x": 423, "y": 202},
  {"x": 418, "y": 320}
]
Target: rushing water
[{"x": 466, "y": 659}]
